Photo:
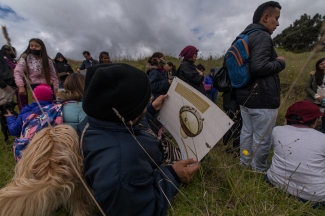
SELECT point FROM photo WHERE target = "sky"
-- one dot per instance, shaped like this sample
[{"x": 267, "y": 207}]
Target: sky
[{"x": 137, "y": 28}]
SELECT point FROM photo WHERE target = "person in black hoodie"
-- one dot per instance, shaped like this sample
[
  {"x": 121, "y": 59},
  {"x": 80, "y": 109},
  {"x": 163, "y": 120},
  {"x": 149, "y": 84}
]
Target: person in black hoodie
[
  {"x": 259, "y": 100},
  {"x": 62, "y": 68},
  {"x": 188, "y": 72}
]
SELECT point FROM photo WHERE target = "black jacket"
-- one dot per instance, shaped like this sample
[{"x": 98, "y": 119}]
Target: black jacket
[
  {"x": 63, "y": 66},
  {"x": 263, "y": 90},
  {"x": 187, "y": 72},
  {"x": 6, "y": 76},
  {"x": 158, "y": 80}
]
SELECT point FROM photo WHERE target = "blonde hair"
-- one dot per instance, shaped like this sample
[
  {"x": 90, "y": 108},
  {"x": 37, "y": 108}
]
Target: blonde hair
[
  {"x": 73, "y": 88},
  {"x": 45, "y": 178}
]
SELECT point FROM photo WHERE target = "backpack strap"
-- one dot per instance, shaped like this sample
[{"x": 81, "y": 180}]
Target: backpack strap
[
  {"x": 248, "y": 33},
  {"x": 82, "y": 138}
]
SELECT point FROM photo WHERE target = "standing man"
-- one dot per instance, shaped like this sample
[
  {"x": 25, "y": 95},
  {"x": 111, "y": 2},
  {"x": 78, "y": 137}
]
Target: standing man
[
  {"x": 88, "y": 62},
  {"x": 260, "y": 99}
]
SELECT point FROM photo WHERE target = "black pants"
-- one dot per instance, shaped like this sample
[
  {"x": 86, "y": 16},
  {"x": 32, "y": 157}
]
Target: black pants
[{"x": 232, "y": 109}]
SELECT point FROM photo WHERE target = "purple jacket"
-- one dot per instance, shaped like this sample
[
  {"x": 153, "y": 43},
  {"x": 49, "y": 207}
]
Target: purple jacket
[{"x": 208, "y": 80}]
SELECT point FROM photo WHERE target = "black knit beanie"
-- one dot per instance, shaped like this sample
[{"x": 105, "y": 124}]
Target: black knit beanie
[{"x": 119, "y": 86}]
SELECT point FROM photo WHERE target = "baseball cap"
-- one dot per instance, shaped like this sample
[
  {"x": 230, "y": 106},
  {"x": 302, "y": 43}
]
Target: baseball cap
[{"x": 305, "y": 109}]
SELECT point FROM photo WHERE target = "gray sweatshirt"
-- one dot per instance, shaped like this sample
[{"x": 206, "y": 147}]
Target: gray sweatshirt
[{"x": 298, "y": 163}]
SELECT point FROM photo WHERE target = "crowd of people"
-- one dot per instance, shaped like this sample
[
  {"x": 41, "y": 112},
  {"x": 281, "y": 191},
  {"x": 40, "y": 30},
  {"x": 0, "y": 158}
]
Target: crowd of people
[{"x": 113, "y": 109}]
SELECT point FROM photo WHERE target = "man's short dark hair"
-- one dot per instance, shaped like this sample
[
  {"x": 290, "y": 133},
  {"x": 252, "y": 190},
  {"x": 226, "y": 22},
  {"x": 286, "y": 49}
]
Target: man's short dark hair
[
  {"x": 86, "y": 52},
  {"x": 295, "y": 119},
  {"x": 270, "y": 5}
]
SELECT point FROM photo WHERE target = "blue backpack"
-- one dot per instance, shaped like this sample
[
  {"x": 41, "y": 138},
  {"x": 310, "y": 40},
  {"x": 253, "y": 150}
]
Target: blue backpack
[
  {"x": 34, "y": 123},
  {"x": 237, "y": 60}
]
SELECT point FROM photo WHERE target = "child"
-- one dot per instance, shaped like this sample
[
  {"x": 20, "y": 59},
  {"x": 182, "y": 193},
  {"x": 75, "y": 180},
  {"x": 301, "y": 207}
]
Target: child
[
  {"x": 123, "y": 178},
  {"x": 104, "y": 58},
  {"x": 37, "y": 66},
  {"x": 72, "y": 95},
  {"x": 44, "y": 95},
  {"x": 62, "y": 67}
]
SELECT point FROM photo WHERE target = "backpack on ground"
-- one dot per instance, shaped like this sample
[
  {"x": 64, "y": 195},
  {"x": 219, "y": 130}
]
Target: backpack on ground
[
  {"x": 34, "y": 123},
  {"x": 237, "y": 60}
]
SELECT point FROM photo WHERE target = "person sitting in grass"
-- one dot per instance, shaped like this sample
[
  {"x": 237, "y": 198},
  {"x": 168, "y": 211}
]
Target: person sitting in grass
[
  {"x": 44, "y": 95},
  {"x": 315, "y": 86},
  {"x": 72, "y": 96},
  {"x": 124, "y": 164},
  {"x": 298, "y": 163}
]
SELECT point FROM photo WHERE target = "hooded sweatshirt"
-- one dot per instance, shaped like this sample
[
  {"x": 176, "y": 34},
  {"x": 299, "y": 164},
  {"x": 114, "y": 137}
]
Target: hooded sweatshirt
[{"x": 62, "y": 67}]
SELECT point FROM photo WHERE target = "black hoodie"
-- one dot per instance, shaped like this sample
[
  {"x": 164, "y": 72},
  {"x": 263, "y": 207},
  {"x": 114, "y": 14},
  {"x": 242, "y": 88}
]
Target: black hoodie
[
  {"x": 6, "y": 76},
  {"x": 63, "y": 66}
]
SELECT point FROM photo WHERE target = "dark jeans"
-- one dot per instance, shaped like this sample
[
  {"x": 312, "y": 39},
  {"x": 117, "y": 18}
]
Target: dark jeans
[
  {"x": 212, "y": 96},
  {"x": 233, "y": 134},
  {"x": 232, "y": 109},
  {"x": 22, "y": 100}
]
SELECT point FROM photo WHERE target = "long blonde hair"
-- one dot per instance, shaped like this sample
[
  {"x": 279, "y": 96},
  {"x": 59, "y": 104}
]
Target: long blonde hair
[{"x": 45, "y": 178}]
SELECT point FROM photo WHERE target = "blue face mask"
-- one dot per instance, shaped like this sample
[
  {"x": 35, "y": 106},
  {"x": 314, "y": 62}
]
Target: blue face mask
[{"x": 35, "y": 52}]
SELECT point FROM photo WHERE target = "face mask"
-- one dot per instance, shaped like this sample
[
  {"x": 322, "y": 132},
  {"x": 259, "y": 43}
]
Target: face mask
[
  {"x": 162, "y": 63},
  {"x": 13, "y": 56},
  {"x": 35, "y": 52}
]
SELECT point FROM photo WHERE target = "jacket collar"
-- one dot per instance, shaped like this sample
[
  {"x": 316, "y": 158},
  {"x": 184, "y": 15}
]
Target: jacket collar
[{"x": 111, "y": 126}]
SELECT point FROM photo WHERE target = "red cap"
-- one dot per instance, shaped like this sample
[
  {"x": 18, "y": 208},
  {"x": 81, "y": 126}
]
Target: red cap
[{"x": 307, "y": 110}]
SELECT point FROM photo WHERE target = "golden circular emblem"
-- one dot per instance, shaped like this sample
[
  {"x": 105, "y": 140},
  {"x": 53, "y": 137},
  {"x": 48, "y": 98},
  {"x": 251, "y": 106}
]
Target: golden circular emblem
[{"x": 191, "y": 121}]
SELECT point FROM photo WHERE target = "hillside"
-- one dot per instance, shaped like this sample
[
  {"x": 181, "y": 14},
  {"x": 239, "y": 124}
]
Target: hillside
[{"x": 221, "y": 187}]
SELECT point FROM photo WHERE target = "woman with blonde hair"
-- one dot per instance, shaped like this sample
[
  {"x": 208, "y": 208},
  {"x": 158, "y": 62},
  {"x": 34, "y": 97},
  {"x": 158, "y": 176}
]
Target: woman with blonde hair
[
  {"x": 72, "y": 96},
  {"x": 48, "y": 177}
]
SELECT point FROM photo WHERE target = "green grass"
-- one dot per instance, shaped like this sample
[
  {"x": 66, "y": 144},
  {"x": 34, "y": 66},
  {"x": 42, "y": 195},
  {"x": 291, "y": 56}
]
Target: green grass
[{"x": 223, "y": 187}]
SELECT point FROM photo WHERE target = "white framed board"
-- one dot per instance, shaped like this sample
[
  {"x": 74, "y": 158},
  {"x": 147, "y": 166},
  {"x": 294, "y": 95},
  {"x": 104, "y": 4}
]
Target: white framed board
[{"x": 195, "y": 122}]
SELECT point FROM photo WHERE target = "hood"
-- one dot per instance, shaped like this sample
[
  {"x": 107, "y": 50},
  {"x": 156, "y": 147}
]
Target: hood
[
  {"x": 255, "y": 26},
  {"x": 149, "y": 67},
  {"x": 33, "y": 107},
  {"x": 57, "y": 56},
  {"x": 114, "y": 126}
]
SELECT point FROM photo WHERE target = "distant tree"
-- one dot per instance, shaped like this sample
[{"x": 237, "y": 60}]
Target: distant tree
[{"x": 302, "y": 35}]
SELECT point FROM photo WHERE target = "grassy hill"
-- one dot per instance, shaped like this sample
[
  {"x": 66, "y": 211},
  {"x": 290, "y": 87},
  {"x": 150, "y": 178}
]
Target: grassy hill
[{"x": 221, "y": 187}]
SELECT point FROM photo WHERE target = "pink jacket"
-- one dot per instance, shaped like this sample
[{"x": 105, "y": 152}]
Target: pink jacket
[{"x": 35, "y": 74}]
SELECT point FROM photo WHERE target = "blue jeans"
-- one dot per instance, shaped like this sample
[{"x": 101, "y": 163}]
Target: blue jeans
[
  {"x": 212, "y": 96},
  {"x": 256, "y": 136}
]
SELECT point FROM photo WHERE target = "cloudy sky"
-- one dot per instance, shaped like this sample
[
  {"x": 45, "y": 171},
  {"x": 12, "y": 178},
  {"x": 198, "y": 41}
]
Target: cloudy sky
[{"x": 137, "y": 28}]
